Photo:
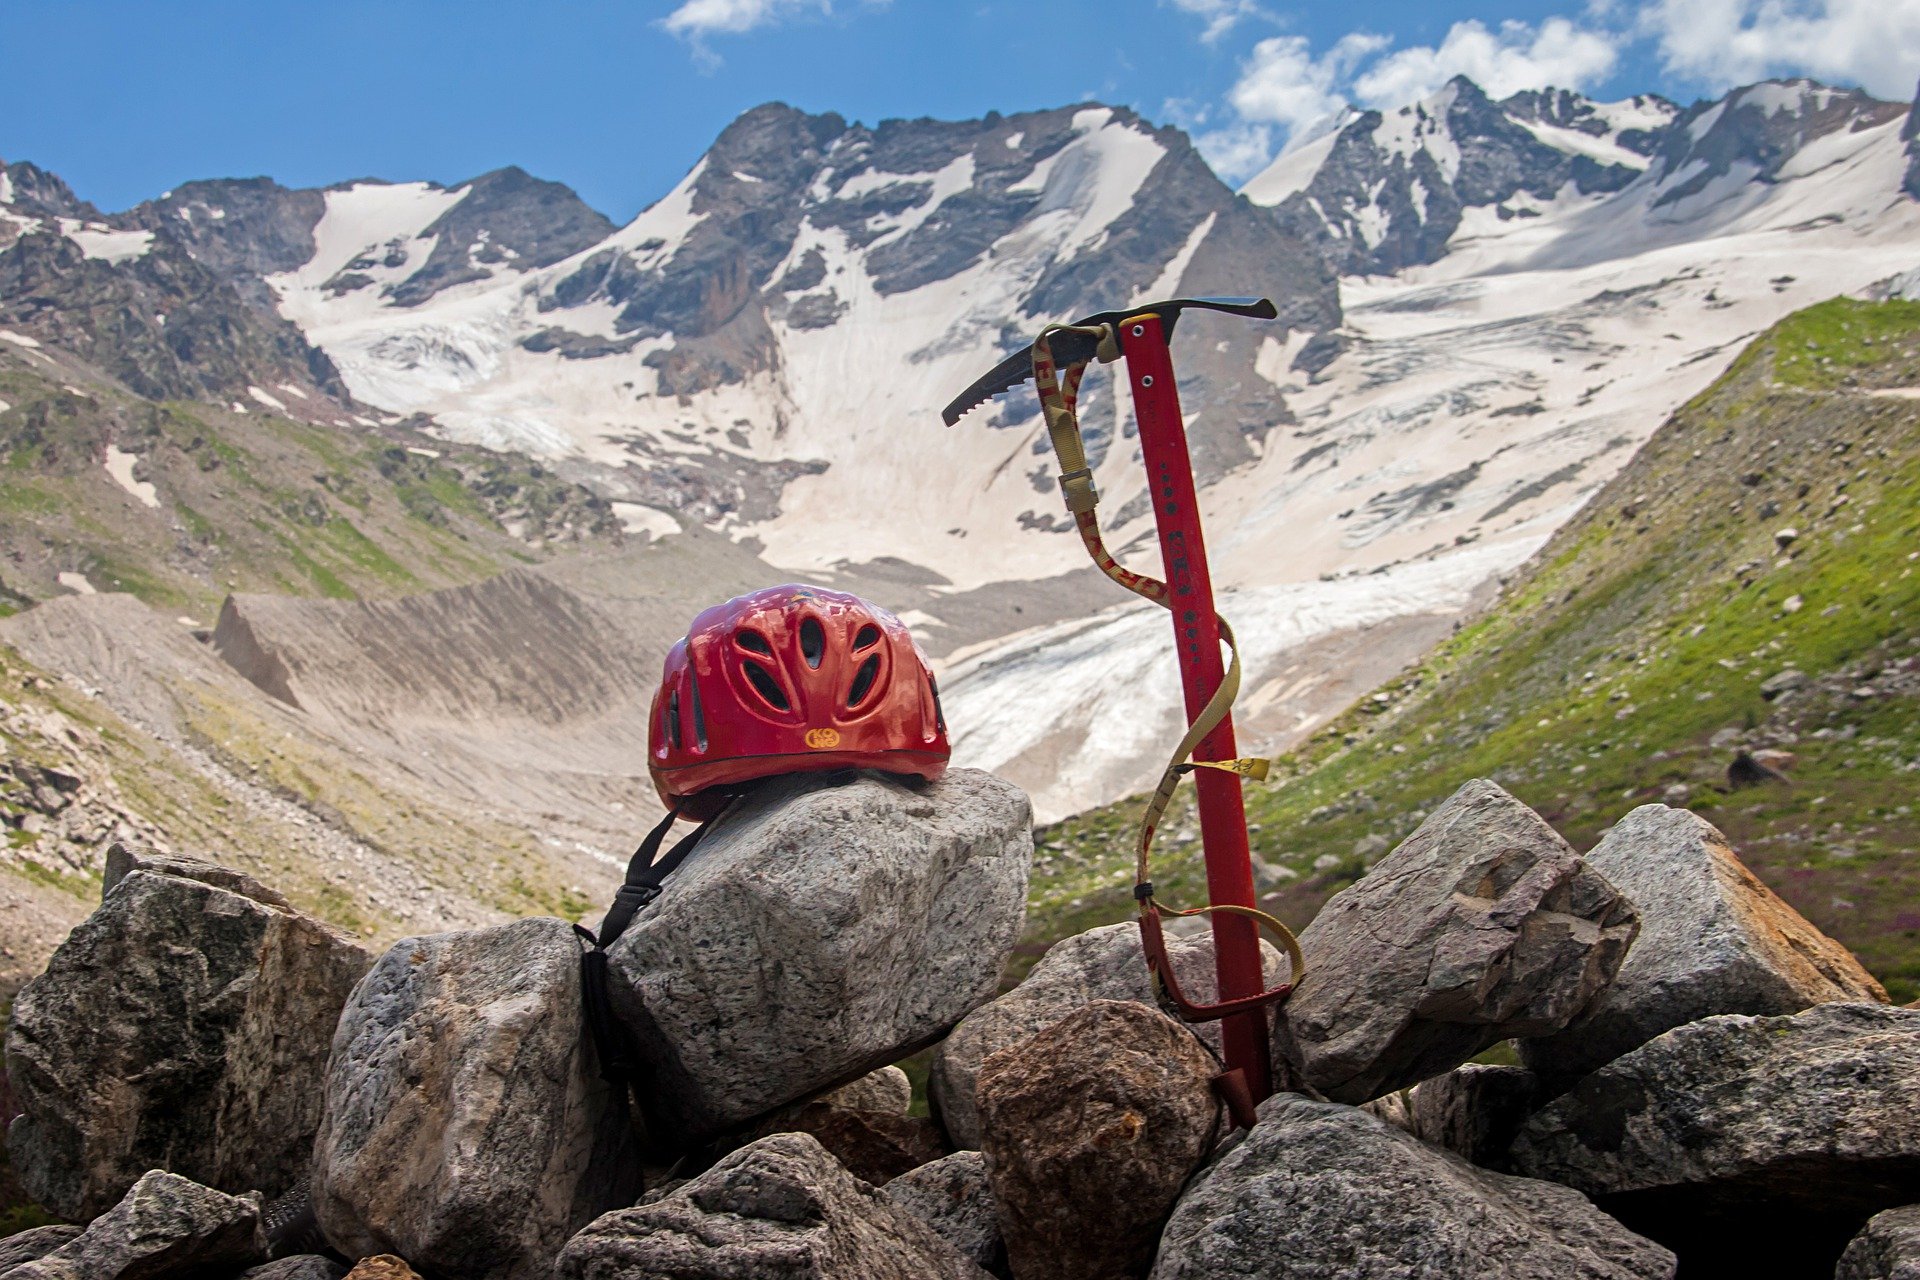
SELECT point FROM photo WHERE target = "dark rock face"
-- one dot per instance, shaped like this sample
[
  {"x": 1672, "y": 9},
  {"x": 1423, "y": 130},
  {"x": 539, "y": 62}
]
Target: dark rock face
[
  {"x": 1762, "y": 127},
  {"x": 467, "y": 1128},
  {"x": 1567, "y": 110},
  {"x": 166, "y": 1226},
  {"x": 1713, "y": 939},
  {"x": 1474, "y": 1111},
  {"x": 1887, "y": 1248},
  {"x": 181, "y": 1026},
  {"x": 210, "y": 345},
  {"x": 825, "y": 926},
  {"x": 1911, "y": 132},
  {"x": 875, "y": 1146},
  {"x": 241, "y": 229},
  {"x": 1482, "y": 926},
  {"x": 781, "y": 1208},
  {"x": 1383, "y": 169},
  {"x": 1710, "y": 1135},
  {"x": 508, "y": 217},
  {"x": 954, "y": 1197},
  {"x": 39, "y": 194},
  {"x": 1321, "y": 1190},
  {"x": 1089, "y": 1130}
]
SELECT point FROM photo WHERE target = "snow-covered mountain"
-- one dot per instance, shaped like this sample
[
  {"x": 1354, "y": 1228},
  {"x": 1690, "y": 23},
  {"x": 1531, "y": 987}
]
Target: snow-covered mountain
[{"x": 1486, "y": 307}]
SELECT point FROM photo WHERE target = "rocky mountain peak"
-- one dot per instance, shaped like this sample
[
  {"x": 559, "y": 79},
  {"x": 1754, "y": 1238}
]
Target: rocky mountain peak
[
  {"x": 242, "y": 229},
  {"x": 1389, "y": 189},
  {"x": 1750, "y": 134}
]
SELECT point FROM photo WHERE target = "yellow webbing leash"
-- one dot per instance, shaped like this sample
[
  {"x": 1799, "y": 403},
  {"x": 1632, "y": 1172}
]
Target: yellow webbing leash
[{"x": 1059, "y": 396}]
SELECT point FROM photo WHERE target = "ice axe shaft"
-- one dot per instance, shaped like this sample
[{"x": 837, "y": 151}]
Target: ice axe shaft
[{"x": 1196, "y": 632}]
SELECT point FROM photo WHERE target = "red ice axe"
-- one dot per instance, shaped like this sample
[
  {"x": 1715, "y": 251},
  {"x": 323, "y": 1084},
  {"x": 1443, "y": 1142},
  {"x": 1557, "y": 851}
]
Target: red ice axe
[{"x": 1056, "y": 361}]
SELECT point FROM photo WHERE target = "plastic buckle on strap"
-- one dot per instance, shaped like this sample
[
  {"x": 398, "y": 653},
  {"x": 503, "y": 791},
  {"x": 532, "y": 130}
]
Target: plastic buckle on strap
[
  {"x": 1077, "y": 488},
  {"x": 638, "y": 894}
]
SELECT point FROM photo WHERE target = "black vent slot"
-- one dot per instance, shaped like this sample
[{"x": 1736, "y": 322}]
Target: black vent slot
[
  {"x": 699, "y": 715},
  {"x": 753, "y": 642},
  {"x": 863, "y": 681},
  {"x": 813, "y": 641},
  {"x": 869, "y": 636},
  {"x": 764, "y": 684},
  {"x": 939, "y": 715},
  {"x": 673, "y": 719}
]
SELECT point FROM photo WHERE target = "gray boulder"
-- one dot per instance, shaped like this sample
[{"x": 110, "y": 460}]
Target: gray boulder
[
  {"x": 1321, "y": 1191},
  {"x": 1089, "y": 1130},
  {"x": 887, "y": 1089},
  {"x": 165, "y": 1226},
  {"x": 1100, "y": 964},
  {"x": 1711, "y": 1136},
  {"x": 824, "y": 927},
  {"x": 1814, "y": 1111},
  {"x": 1484, "y": 924},
  {"x": 305, "y": 1266},
  {"x": 1474, "y": 1111},
  {"x": 780, "y": 1209},
  {"x": 1887, "y": 1248},
  {"x": 183, "y": 1025},
  {"x": 1713, "y": 940},
  {"x": 952, "y": 1195},
  {"x": 34, "y": 1242},
  {"x": 467, "y": 1128}
]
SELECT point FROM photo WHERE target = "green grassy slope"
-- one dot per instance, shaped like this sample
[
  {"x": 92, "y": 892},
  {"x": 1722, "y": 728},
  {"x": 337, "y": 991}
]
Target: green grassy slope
[
  {"x": 253, "y": 501},
  {"x": 1771, "y": 524}
]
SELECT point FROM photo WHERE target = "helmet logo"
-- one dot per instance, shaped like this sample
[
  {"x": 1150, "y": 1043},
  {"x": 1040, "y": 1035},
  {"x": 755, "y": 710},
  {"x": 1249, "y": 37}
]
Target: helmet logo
[{"x": 823, "y": 739}]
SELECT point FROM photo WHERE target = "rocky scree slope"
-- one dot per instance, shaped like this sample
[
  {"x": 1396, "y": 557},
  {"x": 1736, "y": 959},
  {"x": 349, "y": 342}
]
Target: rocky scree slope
[{"x": 1748, "y": 583}]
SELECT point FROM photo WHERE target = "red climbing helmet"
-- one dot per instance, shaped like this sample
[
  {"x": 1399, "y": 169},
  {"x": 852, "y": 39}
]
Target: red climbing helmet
[{"x": 791, "y": 679}]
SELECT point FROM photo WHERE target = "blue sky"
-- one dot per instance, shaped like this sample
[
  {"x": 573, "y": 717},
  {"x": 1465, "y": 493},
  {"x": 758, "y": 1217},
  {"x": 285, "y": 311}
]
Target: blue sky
[{"x": 124, "y": 99}]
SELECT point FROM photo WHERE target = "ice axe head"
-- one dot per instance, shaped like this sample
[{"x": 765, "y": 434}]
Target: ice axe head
[{"x": 1077, "y": 348}]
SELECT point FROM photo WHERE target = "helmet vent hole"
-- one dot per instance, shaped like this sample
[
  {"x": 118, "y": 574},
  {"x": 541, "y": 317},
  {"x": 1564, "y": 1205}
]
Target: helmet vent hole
[
  {"x": 813, "y": 641},
  {"x": 863, "y": 681},
  {"x": 753, "y": 642},
  {"x": 764, "y": 684},
  {"x": 868, "y": 637},
  {"x": 673, "y": 719},
  {"x": 699, "y": 717}
]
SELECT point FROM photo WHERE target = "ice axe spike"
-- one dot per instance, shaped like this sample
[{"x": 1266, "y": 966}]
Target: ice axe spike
[{"x": 1073, "y": 348}]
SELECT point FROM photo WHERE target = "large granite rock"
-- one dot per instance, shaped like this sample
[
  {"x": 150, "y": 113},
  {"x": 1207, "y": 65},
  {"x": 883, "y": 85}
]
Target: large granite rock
[
  {"x": 183, "y": 1026},
  {"x": 1887, "y": 1248},
  {"x": 1100, "y": 964},
  {"x": 166, "y": 1226},
  {"x": 953, "y": 1196},
  {"x": 1474, "y": 1111},
  {"x": 781, "y": 1209},
  {"x": 34, "y": 1242},
  {"x": 1089, "y": 1130},
  {"x": 826, "y": 925},
  {"x": 302, "y": 1266},
  {"x": 1712, "y": 1134},
  {"x": 1483, "y": 925},
  {"x": 1713, "y": 940},
  {"x": 467, "y": 1128},
  {"x": 1327, "y": 1192}
]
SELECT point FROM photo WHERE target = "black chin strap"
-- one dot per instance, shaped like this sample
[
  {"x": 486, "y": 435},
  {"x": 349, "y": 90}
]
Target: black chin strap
[{"x": 645, "y": 878}]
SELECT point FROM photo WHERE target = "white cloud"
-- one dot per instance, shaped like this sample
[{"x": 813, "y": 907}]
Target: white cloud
[
  {"x": 1238, "y": 151},
  {"x": 1221, "y": 16},
  {"x": 1282, "y": 83},
  {"x": 1872, "y": 43},
  {"x": 1518, "y": 56},
  {"x": 697, "y": 19}
]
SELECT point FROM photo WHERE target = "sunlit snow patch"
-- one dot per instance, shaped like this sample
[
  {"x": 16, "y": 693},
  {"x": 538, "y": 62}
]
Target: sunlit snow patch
[
  {"x": 636, "y": 518},
  {"x": 120, "y": 466}
]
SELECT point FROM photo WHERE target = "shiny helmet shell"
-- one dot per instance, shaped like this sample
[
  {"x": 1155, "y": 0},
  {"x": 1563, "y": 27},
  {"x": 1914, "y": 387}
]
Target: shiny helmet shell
[{"x": 791, "y": 679}]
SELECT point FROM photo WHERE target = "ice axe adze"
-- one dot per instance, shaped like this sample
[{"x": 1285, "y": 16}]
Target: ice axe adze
[{"x": 1056, "y": 361}]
